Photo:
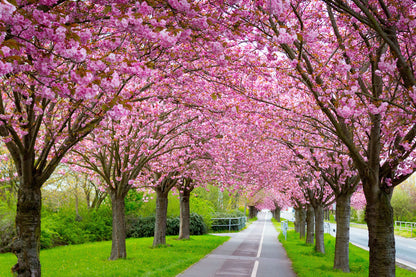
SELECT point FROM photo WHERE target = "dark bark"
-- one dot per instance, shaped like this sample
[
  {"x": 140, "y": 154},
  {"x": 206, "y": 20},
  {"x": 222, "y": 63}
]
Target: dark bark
[
  {"x": 276, "y": 214},
  {"x": 184, "y": 225},
  {"x": 28, "y": 217},
  {"x": 319, "y": 229},
  {"x": 118, "y": 246},
  {"x": 162, "y": 192},
  {"x": 310, "y": 220},
  {"x": 341, "y": 260},
  {"x": 380, "y": 222},
  {"x": 88, "y": 199},
  {"x": 327, "y": 214},
  {"x": 298, "y": 224},
  {"x": 252, "y": 212},
  {"x": 77, "y": 215},
  {"x": 161, "y": 217},
  {"x": 302, "y": 222}
]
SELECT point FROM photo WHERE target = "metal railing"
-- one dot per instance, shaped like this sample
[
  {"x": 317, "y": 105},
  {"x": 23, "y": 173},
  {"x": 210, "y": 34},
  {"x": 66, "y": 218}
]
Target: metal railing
[
  {"x": 232, "y": 223},
  {"x": 285, "y": 226},
  {"x": 405, "y": 226},
  {"x": 330, "y": 228}
]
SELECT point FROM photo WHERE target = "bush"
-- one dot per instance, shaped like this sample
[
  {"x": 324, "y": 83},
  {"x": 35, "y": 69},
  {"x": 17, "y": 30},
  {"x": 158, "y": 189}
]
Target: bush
[
  {"x": 7, "y": 226},
  {"x": 62, "y": 228},
  {"x": 138, "y": 227},
  {"x": 197, "y": 225},
  {"x": 7, "y": 232},
  {"x": 145, "y": 226},
  {"x": 172, "y": 226}
]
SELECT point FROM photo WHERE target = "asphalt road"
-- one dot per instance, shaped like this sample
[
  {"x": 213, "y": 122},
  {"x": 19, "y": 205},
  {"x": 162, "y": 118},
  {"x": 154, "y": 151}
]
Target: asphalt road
[
  {"x": 254, "y": 252},
  {"x": 405, "y": 248}
]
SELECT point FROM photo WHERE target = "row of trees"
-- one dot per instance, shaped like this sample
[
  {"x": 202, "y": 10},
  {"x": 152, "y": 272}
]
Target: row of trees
[{"x": 305, "y": 101}]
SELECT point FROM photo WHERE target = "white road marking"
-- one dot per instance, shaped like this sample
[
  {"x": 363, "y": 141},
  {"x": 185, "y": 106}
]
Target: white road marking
[
  {"x": 256, "y": 263},
  {"x": 255, "y": 267},
  {"x": 261, "y": 241}
]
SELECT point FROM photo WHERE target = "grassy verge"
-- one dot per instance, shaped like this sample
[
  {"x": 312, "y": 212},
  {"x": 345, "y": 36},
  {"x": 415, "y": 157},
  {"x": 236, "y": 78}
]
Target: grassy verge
[
  {"x": 91, "y": 259},
  {"x": 307, "y": 263}
]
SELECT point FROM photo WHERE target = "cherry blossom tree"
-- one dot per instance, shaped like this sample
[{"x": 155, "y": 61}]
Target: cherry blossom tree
[
  {"x": 64, "y": 64},
  {"x": 355, "y": 60},
  {"x": 55, "y": 69}
]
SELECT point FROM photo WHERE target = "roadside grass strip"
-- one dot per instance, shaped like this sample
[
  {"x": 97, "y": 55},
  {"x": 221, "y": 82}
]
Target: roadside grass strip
[
  {"x": 308, "y": 263},
  {"x": 91, "y": 259}
]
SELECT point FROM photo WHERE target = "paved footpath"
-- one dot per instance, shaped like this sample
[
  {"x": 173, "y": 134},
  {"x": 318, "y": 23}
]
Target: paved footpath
[{"x": 254, "y": 252}]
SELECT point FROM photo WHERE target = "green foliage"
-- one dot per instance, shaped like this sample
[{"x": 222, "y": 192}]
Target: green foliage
[
  {"x": 7, "y": 226},
  {"x": 197, "y": 225},
  {"x": 64, "y": 227},
  {"x": 134, "y": 202},
  {"x": 220, "y": 201},
  {"x": 91, "y": 259},
  {"x": 202, "y": 207},
  {"x": 138, "y": 227},
  {"x": 235, "y": 213},
  {"x": 404, "y": 202},
  {"x": 358, "y": 216},
  {"x": 307, "y": 262}
]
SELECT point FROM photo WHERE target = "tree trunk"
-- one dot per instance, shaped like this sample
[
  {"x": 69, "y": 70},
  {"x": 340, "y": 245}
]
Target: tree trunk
[
  {"x": 297, "y": 220},
  {"x": 77, "y": 216},
  {"x": 380, "y": 222},
  {"x": 251, "y": 212},
  {"x": 87, "y": 198},
  {"x": 343, "y": 211},
  {"x": 310, "y": 219},
  {"x": 319, "y": 229},
  {"x": 326, "y": 214},
  {"x": 184, "y": 225},
  {"x": 118, "y": 246},
  {"x": 28, "y": 217},
  {"x": 161, "y": 217},
  {"x": 302, "y": 221},
  {"x": 276, "y": 214}
]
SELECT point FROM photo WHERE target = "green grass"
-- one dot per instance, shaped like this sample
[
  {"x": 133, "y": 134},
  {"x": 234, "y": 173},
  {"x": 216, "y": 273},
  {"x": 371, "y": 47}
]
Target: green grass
[
  {"x": 307, "y": 263},
  {"x": 91, "y": 259}
]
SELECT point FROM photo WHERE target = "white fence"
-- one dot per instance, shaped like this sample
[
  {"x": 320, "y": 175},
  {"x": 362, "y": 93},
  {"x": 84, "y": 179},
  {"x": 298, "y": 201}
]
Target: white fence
[
  {"x": 285, "y": 226},
  {"x": 330, "y": 228},
  {"x": 405, "y": 226}
]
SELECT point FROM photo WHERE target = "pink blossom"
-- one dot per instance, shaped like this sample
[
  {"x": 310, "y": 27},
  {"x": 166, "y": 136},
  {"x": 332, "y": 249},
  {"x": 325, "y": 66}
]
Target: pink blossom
[{"x": 180, "y": 5}]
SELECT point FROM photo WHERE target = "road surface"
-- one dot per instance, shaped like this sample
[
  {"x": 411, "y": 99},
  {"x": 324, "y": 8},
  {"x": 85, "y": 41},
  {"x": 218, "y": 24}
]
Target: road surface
[
  {"x": 405, "y": 248},
  {"x": 254, "y": 252}
]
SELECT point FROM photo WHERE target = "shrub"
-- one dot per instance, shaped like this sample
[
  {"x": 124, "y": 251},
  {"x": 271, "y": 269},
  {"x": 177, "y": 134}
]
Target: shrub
[
  {"x": 145, "y": 226},
  {"x": 138, "y": 227},
  {"x": 62, "y": 228},
  {"x": 172, "y": 226},
  {"x": 197, "y": 225},
  {"x": 7, "y": 226},
  {"x": 7, "y": 232}
]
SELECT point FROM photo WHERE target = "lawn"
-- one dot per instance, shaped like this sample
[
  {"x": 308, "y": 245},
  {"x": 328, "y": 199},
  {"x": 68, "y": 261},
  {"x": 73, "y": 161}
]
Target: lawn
[
  {"x": 91, "y": 259},
  {"x": 307, "y": 263}
]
